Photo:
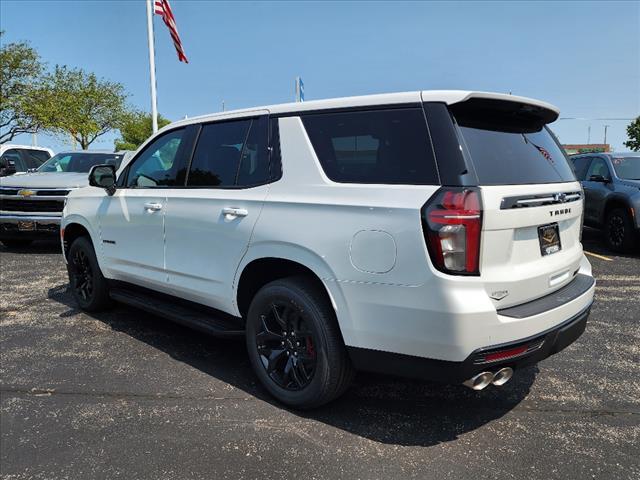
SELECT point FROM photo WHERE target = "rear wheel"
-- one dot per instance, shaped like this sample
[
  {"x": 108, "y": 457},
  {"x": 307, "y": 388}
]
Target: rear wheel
[
  {"x": 88, "y": 285},
  {"x": 619, "y": 232},
  {"x": 16, "y": 242},
  {"x": 294, "y": 344}
]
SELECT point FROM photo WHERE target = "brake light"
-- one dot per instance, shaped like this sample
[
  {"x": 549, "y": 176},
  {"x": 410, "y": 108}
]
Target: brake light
[{"x": 452, "y": 221}]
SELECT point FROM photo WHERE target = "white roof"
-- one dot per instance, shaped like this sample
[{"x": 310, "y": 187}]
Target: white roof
[
  {"x": 6, "y": 146},
  {"x": 447, "y": 96}
]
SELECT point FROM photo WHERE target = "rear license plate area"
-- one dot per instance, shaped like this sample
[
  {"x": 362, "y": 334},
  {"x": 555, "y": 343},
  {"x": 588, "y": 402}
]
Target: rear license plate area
[
  {"x": 26, "y": 226},
  {"x": 549, "y": 237}
]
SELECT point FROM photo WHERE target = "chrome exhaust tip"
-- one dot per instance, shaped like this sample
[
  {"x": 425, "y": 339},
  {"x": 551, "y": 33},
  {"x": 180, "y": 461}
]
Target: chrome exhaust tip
[
  {"x": 502, "y": 376},
  {"x": 479, "y": 381}
]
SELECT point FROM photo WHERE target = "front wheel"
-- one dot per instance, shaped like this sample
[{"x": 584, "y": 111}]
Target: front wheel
[
  {"x": 88, "y": 287},
  {"x": 619, "y": 232},
  {"x": 294, "y": 344}
]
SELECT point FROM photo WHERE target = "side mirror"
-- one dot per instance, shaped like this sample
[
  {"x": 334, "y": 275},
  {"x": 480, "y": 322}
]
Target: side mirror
[
  {"x": 598, "y": 178},
  {"x": 103, "y": 176}
]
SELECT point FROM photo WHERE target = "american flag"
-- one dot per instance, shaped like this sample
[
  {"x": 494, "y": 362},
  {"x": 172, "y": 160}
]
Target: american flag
[{"x": 162, "y": 8}]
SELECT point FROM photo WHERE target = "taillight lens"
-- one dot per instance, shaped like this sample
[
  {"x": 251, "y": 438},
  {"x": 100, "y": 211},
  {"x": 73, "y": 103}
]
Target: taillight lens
[{"x": 452, "y": 221}]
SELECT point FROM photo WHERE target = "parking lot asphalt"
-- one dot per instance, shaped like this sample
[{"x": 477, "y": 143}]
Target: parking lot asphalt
[{"x": 124, "y": 394}]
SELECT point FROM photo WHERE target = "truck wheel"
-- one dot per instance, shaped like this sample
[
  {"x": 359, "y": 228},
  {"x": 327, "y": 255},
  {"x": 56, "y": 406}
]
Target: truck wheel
[
  {"x": 294, "y": 344},
  {"x": 16, "y": 242},
  {"x": 88, "y": 286},
  {"x": 619, "y": 232}
]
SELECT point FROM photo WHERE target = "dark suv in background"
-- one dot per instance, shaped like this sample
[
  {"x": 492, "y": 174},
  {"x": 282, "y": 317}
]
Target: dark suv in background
[{"x": 611, "y": 183}]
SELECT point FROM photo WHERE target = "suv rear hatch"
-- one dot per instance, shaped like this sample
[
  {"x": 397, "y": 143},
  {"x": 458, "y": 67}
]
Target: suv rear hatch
[{"x": 531, "y": 203}]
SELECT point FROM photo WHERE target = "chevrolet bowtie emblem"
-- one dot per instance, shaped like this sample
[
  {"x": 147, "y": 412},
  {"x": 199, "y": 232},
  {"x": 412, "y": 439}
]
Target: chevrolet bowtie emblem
[{"x": 26, "y": 193}]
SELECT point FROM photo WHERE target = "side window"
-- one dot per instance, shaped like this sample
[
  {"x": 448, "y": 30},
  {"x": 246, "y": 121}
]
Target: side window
[
  {"x": 380, "y": 146},
  {"x": 34, "y": 158},
  {"x": 13, "y": 160},
  {"x": 157, "y": 165},
  {"x": 580, "y": 166},
  {"x": 217, "y": 156},
  {"x": 231, "y": 154},
  {"x": 598, "y": 167}
]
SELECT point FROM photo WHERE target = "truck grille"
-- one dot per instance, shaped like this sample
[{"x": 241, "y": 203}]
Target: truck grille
[{"x": 11, "y": 205}]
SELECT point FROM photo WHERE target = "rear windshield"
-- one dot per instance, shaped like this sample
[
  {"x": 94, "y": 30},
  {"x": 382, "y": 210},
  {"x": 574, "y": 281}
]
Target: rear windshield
[
  {"x": 627, "y": 168},
  {"x": 387, "y": 146},
  {"x": 509, "y": 148}
]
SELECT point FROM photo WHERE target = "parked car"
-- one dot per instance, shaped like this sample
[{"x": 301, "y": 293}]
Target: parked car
[
  {"x": 611, "y": 183},
  {"x": 430, "y": 234},
  {"x": 20, "y": 158},
  {"x": 31, "y": 204}
]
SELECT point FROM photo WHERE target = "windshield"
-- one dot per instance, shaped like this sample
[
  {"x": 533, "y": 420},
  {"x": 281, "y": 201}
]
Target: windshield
[
  {"x": 627, "y": 168},
  {"x": 79, "y": 162}
]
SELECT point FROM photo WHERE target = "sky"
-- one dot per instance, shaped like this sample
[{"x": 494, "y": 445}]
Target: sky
[{"x": 583, "y": 57}]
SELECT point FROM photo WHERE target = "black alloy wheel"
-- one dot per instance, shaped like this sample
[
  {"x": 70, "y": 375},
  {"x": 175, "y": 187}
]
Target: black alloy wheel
[
  {"x": 286, "y": 347},
  {"x": 87, "y": 284},
  {"x": 294, "y": 343},
  {"x": 82, "y": 275},
  {"x": 619, "y": 232}
]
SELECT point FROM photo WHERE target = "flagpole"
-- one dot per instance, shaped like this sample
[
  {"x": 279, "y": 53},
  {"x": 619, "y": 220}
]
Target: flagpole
[{"x": 152, "y": 67}]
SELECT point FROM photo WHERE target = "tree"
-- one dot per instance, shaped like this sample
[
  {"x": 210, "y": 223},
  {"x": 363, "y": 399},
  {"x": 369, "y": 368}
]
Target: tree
[
  {"x": 633, "y": 132},
  {"x": 20, "y": 76},
  {"x": 136, "y": 128},
  {"x": 74, "y": 102}
]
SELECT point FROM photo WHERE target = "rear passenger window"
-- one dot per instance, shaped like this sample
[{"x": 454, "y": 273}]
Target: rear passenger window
[
  {"x": 580, "y": 166},
  {"x": 230, "y": 154},
  {"x": 378, "y": 147}
]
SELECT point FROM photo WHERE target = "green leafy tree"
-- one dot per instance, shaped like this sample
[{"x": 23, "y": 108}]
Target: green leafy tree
[
  {"x": 20, "y": 78},
  {"x": 76, "y": 103},
  {"x": 135, "y": 129},
  {"x": 633, "y": 132}
]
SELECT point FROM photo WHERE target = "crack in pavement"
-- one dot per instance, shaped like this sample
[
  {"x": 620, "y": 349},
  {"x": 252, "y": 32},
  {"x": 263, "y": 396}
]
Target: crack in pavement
[{"x": 46, "y": 392}]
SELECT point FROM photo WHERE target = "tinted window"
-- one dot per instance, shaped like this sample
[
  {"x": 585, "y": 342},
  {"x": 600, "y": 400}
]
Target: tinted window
[
  {"x": 598, "y": 167},
  {"x": 35, "y": 158},
  {"x": 231, "y": 154},
  {"x": 157, "y": 165},
  {"x": 515, "y": 158},
  {"x": 254, "y": 163},
  {"x": 217, "y": 157},
  {"x": 79, "y": 161},
  {"x": 580, "y": 166},
  {"x": 627, "y": 167},
  {"x": 12, "y": 161},
  {"x": 380, "y": 146}
]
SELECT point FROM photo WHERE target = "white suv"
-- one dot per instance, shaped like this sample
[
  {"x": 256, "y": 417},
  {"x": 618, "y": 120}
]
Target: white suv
[{"x": 430, "y": 234}]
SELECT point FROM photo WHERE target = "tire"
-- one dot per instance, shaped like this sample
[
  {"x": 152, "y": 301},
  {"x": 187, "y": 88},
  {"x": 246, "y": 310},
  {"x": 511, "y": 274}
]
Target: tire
[
  {"x": 618, "y": 231},
  {"x": 317, "y": 368},
  {"x": 16, "y": 242},
  {"x": 88, "y": 286}
]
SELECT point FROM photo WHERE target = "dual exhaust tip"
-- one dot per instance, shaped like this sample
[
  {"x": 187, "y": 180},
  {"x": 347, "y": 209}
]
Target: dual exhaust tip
[{"x": 484, "y": 379}]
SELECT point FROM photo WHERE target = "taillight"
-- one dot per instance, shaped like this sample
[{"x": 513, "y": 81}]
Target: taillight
[{"x": 452, "y": 221}]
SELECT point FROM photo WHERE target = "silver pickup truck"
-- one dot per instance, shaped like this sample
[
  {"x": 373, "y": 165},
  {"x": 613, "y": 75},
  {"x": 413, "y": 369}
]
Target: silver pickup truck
[{"x": 31, "y": 203}]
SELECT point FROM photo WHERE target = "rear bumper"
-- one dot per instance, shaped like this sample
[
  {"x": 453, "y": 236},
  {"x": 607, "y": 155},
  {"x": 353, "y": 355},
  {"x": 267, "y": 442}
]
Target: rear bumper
[
  {"x": 44, "y": 226},
  {"x": 539, "y": 347}
]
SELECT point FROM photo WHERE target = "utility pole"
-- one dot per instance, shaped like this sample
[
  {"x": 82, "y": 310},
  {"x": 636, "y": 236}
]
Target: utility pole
[
  {"x": 588, "y": 134},
  {"x": 605, "y": 133},
  {"x": 223, "y": 105}
]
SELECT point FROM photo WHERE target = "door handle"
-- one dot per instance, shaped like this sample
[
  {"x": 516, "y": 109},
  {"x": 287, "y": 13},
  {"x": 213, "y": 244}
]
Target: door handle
[
  {"x": 153, "y": 207},
  {"x": 233, "y": 212}
]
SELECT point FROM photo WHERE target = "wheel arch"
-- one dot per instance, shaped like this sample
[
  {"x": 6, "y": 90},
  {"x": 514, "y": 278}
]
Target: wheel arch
[
  {"x": 74, "y": 227},
  {"x": 266, "y": 263}
]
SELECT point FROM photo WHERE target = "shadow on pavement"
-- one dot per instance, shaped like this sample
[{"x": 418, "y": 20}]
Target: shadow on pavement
[
  {"x": 383, "y": 409},
  {"x": 593, "y": 241},
  {"x": 38, "y": 246}
]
